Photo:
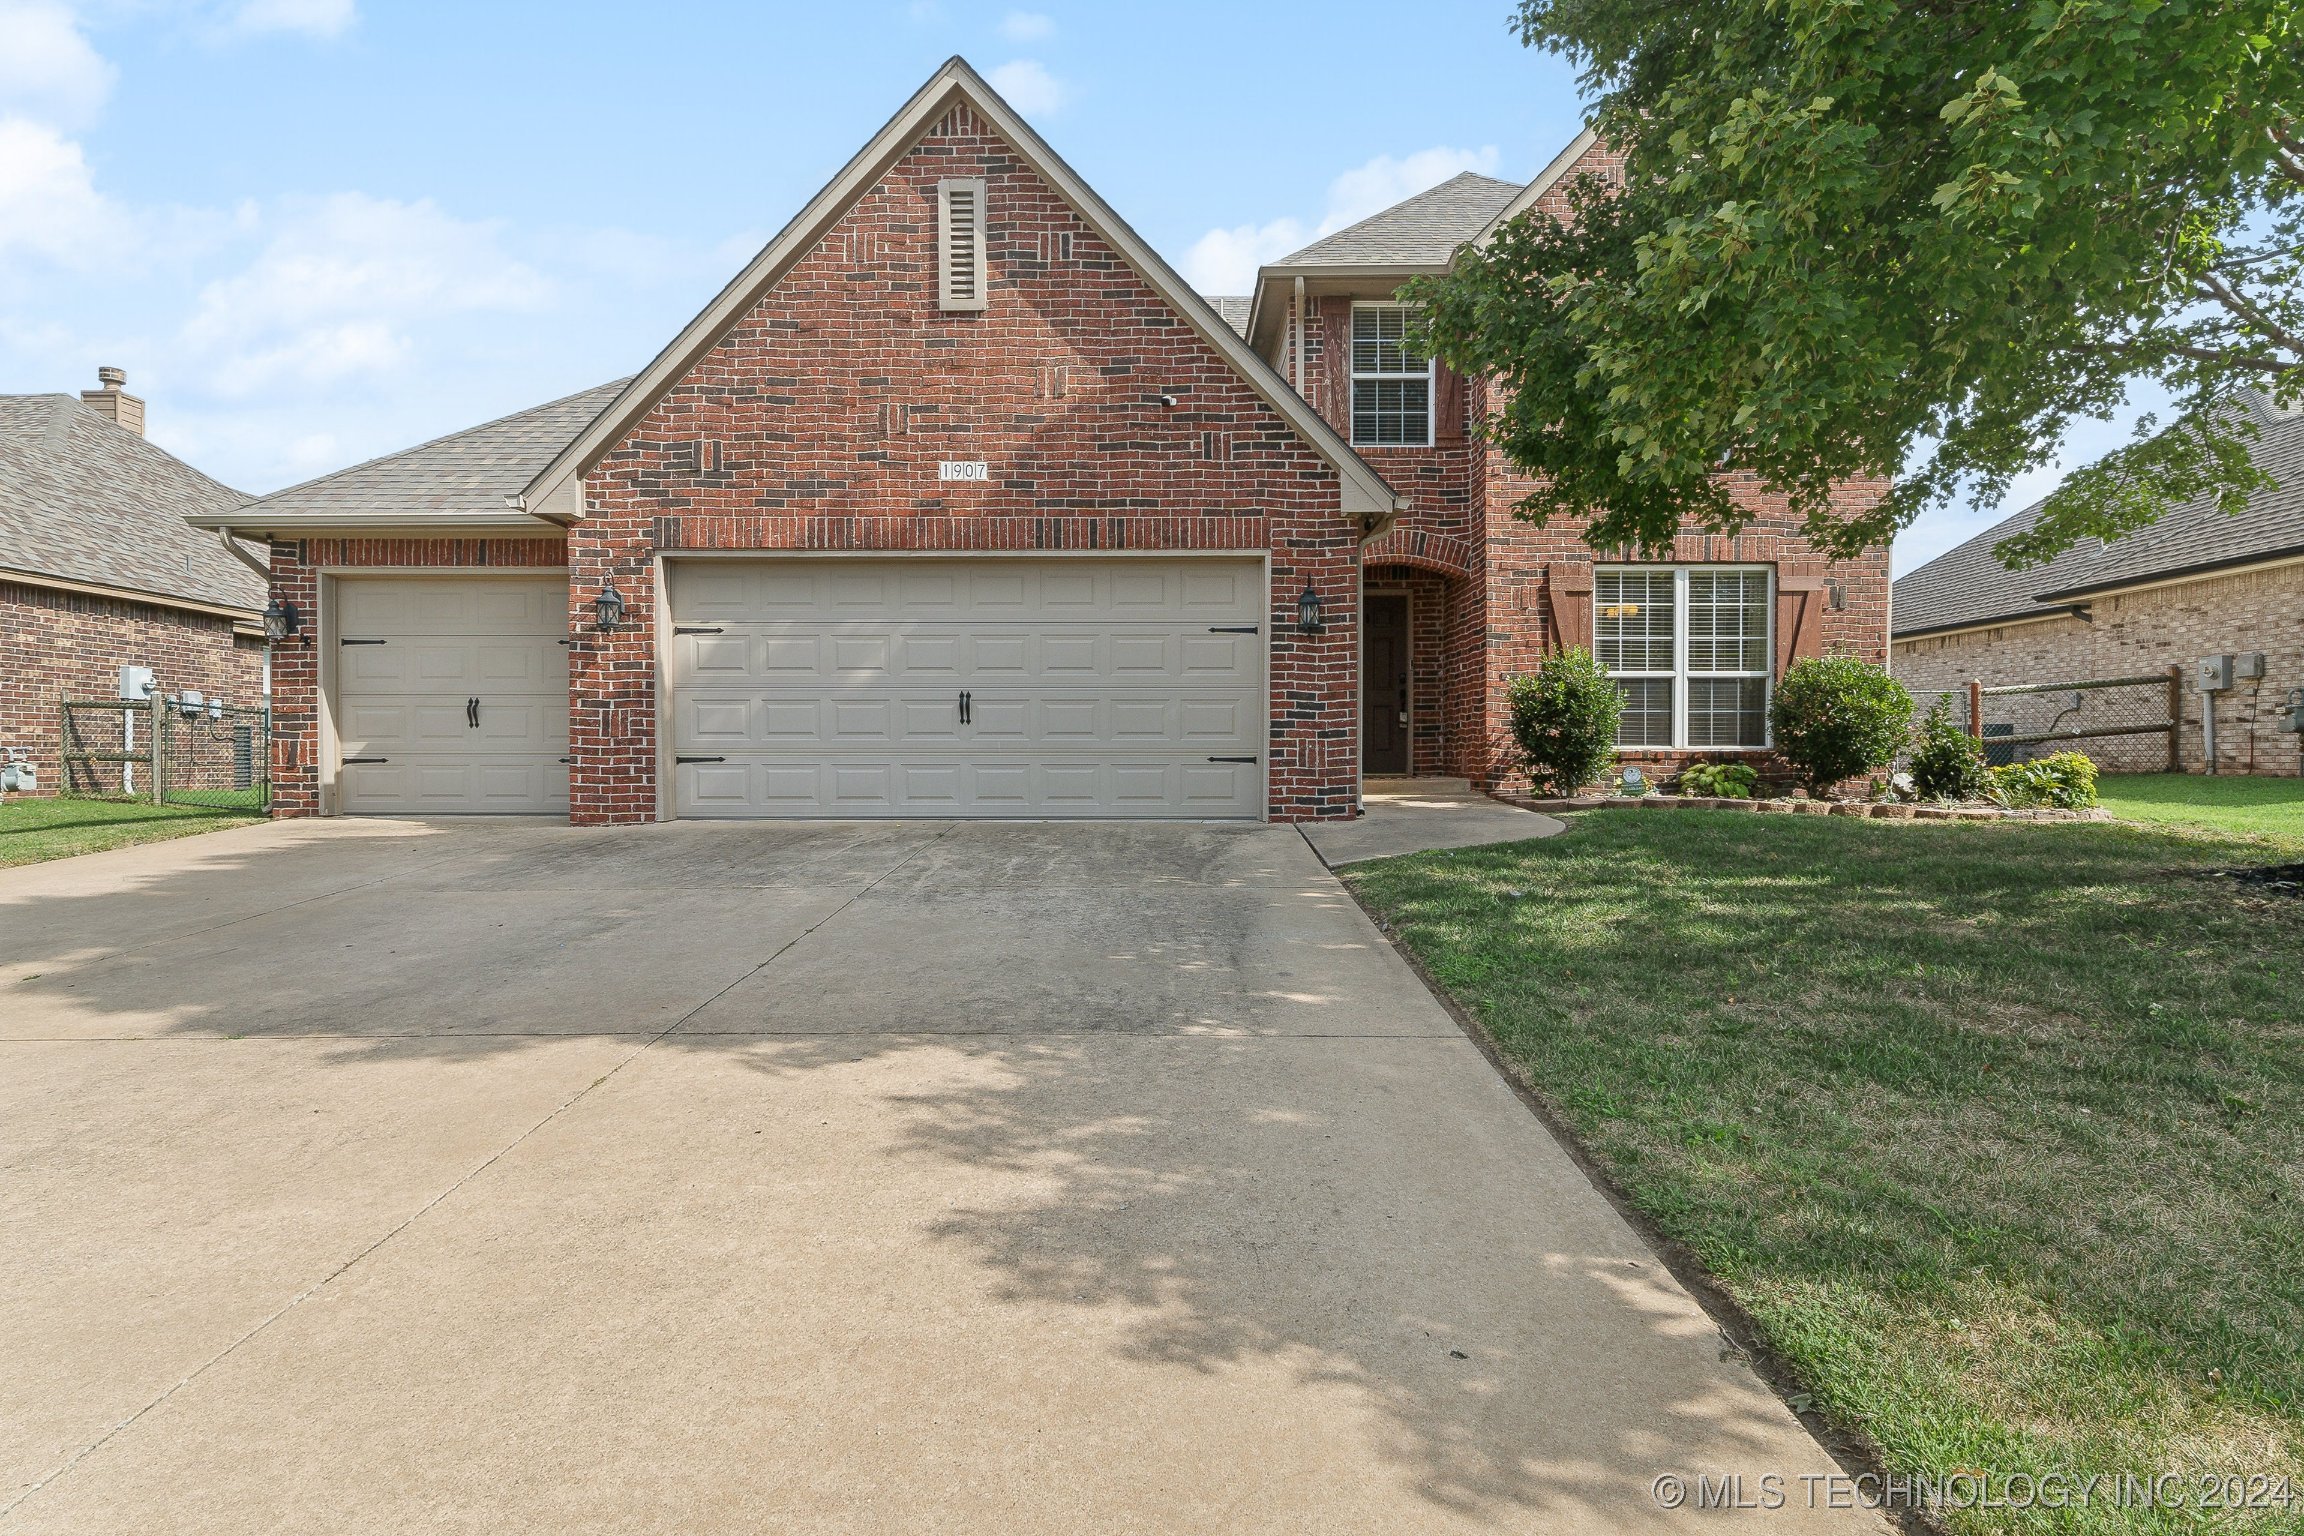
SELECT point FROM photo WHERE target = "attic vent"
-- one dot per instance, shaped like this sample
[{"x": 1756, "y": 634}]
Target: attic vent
[{"x": 960, "y": 243}]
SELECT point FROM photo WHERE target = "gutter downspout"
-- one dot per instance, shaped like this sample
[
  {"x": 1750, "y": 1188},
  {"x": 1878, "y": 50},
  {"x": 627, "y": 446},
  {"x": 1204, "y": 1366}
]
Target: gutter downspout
[
  {"x": 1301, "y": 329},
  {"x": 232, "y": 548}
]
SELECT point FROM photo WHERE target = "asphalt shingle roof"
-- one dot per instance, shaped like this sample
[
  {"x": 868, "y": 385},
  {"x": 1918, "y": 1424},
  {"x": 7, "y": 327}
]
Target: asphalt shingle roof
[
  {"x": 1967, "y": 585},
  {"x": 1424, "y": 231},
  {"x": 84, "y": 499},
  {"x": 463, "y": 473},
  {"x": 1232, "y": 309}
]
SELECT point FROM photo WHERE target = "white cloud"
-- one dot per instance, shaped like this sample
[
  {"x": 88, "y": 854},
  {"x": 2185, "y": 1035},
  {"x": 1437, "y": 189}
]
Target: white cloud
[
  {"x": 1026, "y": 26},
  {"x": 1029, "y": 88},
  {"x": 341, "y": 286},
  {"x": 1225, "y": 260},
  {"x": 49, "y": 204},
  {"x": 48, "y": 71},
  {"x": 313, "y": 18}
]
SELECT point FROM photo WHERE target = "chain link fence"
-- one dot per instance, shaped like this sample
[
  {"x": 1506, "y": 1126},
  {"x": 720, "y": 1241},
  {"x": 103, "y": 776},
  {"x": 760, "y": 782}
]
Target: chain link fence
[
  {"x": 2126, "y": 724},
  {"x": 180, "y": 751}
]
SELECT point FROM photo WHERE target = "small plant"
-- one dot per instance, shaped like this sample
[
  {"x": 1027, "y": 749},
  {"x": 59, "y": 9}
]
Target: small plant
[
  {"x": 1719, "y": 781},
  {"x": 1948, "y": 763},
  {"x": 2064, "y": 781},
  {"x": 1836, "y": 717},
  {"x": 1564, "y": 718}
]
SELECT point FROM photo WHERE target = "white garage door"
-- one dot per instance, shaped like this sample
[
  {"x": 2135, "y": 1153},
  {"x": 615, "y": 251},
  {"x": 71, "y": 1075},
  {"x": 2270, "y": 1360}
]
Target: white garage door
[
  {"x": 451, "y": 694},
  {"x": 968, "y": 687}
]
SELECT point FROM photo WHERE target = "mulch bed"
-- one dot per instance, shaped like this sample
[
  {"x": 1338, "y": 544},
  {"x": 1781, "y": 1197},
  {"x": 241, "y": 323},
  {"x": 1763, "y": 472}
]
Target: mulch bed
[
  {"x": 1882, "y": 810},
  {"x": 2272, "y": 879}
]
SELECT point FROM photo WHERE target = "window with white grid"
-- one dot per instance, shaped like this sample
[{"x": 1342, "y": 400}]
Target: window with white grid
[
  {"x": 1691, "y": 648},
  {"x": 1391, "y": 380}
]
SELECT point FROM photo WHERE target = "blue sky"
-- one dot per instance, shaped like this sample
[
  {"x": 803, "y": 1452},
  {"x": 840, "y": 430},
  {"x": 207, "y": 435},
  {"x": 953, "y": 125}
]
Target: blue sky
[{"x": 317, "y": 230}]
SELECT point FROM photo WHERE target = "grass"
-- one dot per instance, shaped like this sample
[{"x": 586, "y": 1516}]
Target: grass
[
  {"x": 32, "y": 831},
  {"x": 2250, "y": 807},
  {"x": 1993, "y": 1129}
]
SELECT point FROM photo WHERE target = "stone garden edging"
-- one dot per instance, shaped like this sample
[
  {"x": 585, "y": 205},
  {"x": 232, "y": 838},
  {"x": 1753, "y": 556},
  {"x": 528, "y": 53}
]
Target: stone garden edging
[{"x": 1877, "y": 810}]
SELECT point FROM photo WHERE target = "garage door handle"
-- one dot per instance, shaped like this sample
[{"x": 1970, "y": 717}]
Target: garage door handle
[
  {"x": 350, "y": 760},
  {"x": 965, "y": 701},
  {"x": 1231, "y": 759},
  {"x": 341, "y": 641},
  {"x": 1231, "y": 629},
  {"x": 697, "y": 629},
  {"x": 678, "y": 760},
  {"x": 472, "y": 713}
]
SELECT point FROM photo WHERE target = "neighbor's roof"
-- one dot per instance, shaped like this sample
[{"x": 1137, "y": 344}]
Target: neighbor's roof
[
  {"x": 1966, "y": 587},
  {"x": 460, "y": 477},
  {"x": 1424, "y": 231},
  {"x": 83, "y": 499},
  {"x": 1233, "y": 307}
]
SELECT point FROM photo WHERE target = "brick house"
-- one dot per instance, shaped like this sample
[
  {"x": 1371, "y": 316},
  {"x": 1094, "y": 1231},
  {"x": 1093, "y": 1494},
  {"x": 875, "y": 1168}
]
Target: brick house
[
  {"x": 99, "y": 571},
  {"x": 957, "y": 501},
  {"x": 2196, "y": 583}
]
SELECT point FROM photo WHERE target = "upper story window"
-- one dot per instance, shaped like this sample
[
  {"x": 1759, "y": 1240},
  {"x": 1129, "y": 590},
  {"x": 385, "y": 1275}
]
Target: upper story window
[
  {"x": 1391, "y": 380},
  {"x": 1691, "y": 648}
]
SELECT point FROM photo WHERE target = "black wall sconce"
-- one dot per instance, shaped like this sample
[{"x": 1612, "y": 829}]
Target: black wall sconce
[
  {"x": 608, "y": 608},
  {"x": 1308, "y": 610},
  {"x": 281, "y": 619}
]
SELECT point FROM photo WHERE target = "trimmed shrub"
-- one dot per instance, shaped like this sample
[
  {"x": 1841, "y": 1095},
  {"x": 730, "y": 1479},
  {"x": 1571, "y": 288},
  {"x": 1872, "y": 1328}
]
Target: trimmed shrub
[
  {"x": 1837, "y": 717},
  {"x": 1948, "y": 763},
  {"x": 1564, "y": 718},
  {"x": 1719, "y": 781},
  {"x": 2064, "y": 781}
]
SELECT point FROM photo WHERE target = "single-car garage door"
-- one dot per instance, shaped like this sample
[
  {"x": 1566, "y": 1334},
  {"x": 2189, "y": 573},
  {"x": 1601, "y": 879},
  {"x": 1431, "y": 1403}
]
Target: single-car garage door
[
  {"x": 451, "y": 694},
  {"x": 931, "y": 686}
]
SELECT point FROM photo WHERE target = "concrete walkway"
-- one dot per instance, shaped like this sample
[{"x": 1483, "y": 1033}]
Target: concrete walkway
[
  {"x": 1413, "y": 815},
  {"x": 496, "y": 1176}
]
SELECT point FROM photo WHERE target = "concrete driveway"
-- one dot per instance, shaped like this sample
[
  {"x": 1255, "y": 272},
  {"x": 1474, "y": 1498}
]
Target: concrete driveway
[{"x": 497, "y": 1176}]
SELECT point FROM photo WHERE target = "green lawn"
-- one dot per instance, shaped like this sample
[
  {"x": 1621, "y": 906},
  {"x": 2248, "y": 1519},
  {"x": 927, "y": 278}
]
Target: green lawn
[
  {"x": 2252, "y": 807},
  {"x": 1993, "y": 1128},
  {"x": 34, "y": 830}
]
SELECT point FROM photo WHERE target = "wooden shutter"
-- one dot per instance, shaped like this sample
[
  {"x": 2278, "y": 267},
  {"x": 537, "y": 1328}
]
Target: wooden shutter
[
  {"x": 960, "y": 274},
  {"x": 1448, "y": 405},
  {"x": 1335, "y": 402},
  {"x": 1568, "y": 586},
  {"x": 1799, "y": 613}
]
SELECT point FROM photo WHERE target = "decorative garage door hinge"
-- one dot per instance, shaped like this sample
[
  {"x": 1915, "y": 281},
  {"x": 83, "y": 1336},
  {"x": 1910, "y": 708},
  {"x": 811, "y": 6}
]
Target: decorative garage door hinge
[
  {"x": 1231, "y": 629},
  {"x": 696, "y": 629},
  {"x": 678, "y": 760},
  {"x": 351, "y": 760},
  {"x": 344, "y": 641},
  {"x": 1232, "y": 759}
]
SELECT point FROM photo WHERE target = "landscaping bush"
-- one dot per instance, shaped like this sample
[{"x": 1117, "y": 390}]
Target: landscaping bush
[
  {"x": 1948, "y": 763},
  {"x": 1564, "y": 717},
  {"x": 1721, "y": 781},
  {"x": 1837, "y": 717},
  {"x": 2064, "y": 781}
]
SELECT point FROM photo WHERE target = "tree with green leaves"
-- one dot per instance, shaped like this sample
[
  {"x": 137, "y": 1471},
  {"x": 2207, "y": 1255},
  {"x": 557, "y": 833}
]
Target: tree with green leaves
[{"x": 1911, "y": 238}]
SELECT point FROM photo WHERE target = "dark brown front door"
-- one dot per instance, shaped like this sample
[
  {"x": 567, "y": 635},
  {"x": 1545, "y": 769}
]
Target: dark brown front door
[{"x": 1384, "y": 686}]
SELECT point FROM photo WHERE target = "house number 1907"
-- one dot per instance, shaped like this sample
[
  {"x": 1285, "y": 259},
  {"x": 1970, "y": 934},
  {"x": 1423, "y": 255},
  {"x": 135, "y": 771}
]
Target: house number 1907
[{"x": 963, "y": 469}]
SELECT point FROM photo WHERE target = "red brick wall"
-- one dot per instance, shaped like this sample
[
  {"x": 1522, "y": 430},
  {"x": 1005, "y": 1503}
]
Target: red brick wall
[
  {"x": 819, "y": 420},
  {"x": 54, "y": 644},
  {"x": 296, "y": 571}
]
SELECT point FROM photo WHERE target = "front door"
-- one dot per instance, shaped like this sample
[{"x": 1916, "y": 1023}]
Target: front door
[{"x": 1384, "y": 686}]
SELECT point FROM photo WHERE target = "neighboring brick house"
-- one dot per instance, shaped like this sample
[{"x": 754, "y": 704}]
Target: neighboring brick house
[
  {"x": 98, "y": 571},
  {"x": 2197, "y": 583},
  {"x": 957, "y": 501}
]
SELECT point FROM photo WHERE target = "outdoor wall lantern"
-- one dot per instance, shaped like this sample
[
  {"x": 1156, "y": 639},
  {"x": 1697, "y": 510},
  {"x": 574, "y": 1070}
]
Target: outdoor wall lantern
[
  {"x": 1308, "y": 610},
  {"x": 608, "y": 607},
  {"x": 281, "y": 619}
]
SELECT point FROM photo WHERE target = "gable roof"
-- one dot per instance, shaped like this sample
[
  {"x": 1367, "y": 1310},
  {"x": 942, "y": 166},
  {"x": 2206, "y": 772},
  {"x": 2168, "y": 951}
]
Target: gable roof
[
  {"x": 86, "y": 501},
  {"x": 1421, "y": 231},
  {"x": 553, "y": 491},
  {"x": 1968, "y": 587},
  {"x": 462, "y": 478}
]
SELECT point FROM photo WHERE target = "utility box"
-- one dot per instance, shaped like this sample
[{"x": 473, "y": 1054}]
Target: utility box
[
  {"x": 2216, "y": 674},
  {"x": 137, "y": 682},
  {"x": 2248, "y": 666}
]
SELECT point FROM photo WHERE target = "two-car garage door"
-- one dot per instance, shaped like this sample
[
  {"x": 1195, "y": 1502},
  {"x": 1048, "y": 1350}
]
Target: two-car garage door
[{"x": 930, "y": 686}]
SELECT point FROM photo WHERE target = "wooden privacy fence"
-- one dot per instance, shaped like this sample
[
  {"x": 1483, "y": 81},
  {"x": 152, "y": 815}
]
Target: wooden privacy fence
[{"x": 2008, "y": 718}]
